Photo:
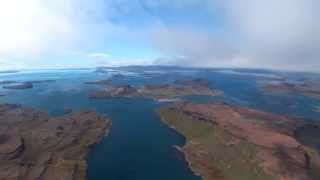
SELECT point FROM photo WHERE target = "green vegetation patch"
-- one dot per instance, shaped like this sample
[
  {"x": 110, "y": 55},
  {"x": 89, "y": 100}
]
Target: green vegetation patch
[{"x": 234, "y": 157}]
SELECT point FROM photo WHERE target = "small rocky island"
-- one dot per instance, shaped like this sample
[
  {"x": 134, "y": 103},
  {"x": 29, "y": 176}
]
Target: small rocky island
[
  {"x": 7, "y": 82},
  {"x": 316, "y": 109},
  {"x": 307, "y": 88},
  {"x": 22, "y": 85},
  {"x": 233, "y": 143},
  {"x": 36, "y": 146},
  {"x": 100, "y": 82},
  {"x": 158, "y": 92}
]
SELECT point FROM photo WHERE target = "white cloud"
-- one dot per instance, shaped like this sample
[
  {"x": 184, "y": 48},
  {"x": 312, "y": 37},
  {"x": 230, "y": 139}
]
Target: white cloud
[
  {"x": 277, "y": 34},
  {"x": 9, "y": 65},
  {"x": 98, "y": 55},
  {"x": 32, "y": 28},
  {"x": 29, "y": 27},
  {"x": 124, "y": 62},
  {"x": 281, "y": 34}
]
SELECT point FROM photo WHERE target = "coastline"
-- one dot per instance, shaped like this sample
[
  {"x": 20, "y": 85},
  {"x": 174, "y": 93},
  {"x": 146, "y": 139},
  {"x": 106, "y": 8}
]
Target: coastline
[
  {"x": 181, "y": 149},
  {"x": 210, "y": 148}
]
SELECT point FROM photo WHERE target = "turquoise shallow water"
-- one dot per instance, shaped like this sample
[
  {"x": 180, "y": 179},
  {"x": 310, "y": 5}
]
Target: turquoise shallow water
[{"x": 139, "y": 146}]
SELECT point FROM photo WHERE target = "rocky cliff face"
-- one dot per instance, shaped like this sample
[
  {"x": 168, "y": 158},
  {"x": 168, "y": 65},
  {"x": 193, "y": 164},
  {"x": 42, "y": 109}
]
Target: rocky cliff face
[{"x": 36, "y": 146}]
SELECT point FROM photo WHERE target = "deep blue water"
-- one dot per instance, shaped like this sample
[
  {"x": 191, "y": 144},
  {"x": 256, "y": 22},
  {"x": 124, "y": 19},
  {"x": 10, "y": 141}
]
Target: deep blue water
[{"x": 139, "y": 146}]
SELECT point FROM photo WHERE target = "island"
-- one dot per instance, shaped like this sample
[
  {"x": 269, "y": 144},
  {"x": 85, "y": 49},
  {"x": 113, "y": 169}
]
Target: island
[
  {"x": 193, "y": 82},
  {"x": 36, "y": 146},
  {"x": 235, "y": 143},
  {"x": 157, "y": 92},
  {"x": 316, "y": 109},
  {"x": 100, "y": 82},
  {"x": 307, "y": 88},
  {"x": 41, "y": 81},
  {"x": 23, "y": 85},
  {"x": 9, "y": 72},
  {"x": 7, "y": 82}
]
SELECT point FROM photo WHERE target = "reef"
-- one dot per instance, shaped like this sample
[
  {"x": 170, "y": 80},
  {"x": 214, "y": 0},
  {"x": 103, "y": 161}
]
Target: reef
[
  {"x": 36, "y": 146},
  {"x": 234, "y": 143}
]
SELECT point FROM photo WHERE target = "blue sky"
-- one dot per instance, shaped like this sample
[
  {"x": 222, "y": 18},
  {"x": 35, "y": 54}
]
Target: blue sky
[{"x": 201, "y": 33}]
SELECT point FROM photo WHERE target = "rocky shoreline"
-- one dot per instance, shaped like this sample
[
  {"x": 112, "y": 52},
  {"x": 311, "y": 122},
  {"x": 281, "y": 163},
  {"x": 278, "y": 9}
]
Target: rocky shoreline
[
  {"x": 36, "y": 146},
  {"x": 226, "y": 142}
]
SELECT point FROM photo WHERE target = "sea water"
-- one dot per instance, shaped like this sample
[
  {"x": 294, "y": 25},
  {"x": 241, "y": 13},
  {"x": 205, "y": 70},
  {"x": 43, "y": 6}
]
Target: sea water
[{"x": 139, "y": 146}]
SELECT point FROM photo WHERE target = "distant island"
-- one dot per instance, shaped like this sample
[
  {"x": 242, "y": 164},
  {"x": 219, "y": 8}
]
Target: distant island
[
  {"x": 9, "y": 71},
  {"x": 36, "y": 146},
  {"x": 100, "y": 82},
  {"x": 307, "y": 88},
  {"x": 316, "y": 109},
  {"x": 25, "y": 85},
  {"x": 158, "y": 92},
  {"x": 7, "y": 82},
  {"x": 22, "y": 85},
  {"x": 228, "y": 142}
]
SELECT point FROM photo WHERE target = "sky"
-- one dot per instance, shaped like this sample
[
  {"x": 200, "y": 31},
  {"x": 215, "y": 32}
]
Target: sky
[{"x": 270, "y": 34}]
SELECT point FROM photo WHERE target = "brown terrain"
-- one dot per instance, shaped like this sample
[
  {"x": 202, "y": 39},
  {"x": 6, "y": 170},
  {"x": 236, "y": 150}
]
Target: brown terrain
[
  {"x": 307, "y": 88},
  {"x": 36, "y": 146},
  {"x": 158, "y": 92},
  {"x": 226, "y": 142}
]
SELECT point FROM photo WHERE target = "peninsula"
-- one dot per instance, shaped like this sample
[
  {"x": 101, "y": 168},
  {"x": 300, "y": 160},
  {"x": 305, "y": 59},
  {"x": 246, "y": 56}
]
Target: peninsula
[{"x": 234, "y": 143}]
